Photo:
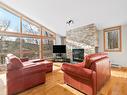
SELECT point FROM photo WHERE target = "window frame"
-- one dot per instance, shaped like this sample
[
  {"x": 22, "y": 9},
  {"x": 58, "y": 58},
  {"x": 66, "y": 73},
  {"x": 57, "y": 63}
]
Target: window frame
[{"x": 21, "y": 34}]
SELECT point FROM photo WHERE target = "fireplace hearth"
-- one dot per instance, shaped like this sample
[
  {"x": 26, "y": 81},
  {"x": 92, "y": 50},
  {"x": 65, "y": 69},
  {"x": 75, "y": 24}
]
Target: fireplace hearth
[{"x": 78, "y": 55}]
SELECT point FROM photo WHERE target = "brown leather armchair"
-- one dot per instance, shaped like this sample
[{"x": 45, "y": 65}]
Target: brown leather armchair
[
  {"x": 88, "y": 76},
  {"x": 22, "y": 75}
]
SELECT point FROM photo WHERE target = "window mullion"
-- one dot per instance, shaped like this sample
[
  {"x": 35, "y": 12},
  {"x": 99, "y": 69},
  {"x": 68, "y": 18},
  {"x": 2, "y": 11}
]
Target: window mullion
[
  {"x": 21, "y": 38},
  {"x": 41, "y": 44}
]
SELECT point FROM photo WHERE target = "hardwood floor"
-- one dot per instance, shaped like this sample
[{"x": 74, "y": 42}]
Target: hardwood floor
[
  {"x": 3, "y": 83},
  {"x": 117, "y": 85}
]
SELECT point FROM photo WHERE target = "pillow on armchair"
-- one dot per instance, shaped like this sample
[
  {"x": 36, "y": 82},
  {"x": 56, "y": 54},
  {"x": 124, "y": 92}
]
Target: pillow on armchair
[{"x": 13, "y": 62}]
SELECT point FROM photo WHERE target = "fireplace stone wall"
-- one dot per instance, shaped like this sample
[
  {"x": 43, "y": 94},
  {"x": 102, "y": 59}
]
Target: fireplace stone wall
[{"x": 82, "y": 37}]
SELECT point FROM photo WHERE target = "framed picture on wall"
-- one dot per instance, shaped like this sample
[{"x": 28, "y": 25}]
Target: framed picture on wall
[{"x": 112, "y": 39}]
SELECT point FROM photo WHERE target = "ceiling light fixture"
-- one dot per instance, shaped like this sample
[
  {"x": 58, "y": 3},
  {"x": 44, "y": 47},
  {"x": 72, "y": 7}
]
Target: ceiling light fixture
[{"x": 69, "y": 22}]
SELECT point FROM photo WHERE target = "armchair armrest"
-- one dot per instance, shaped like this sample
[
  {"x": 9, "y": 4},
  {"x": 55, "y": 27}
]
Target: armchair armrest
[
  {"x": 77, "y": 71},
  {"x": 102, "y": 69},
  {"x": 33, "y": 68}
]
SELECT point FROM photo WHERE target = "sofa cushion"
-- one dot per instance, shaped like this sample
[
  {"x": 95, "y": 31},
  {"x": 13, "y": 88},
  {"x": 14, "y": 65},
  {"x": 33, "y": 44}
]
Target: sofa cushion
[
  {"x": 89, "y": 59},
  {"x": 77, "y": 71},
  {"x": 14, "y": 63}
]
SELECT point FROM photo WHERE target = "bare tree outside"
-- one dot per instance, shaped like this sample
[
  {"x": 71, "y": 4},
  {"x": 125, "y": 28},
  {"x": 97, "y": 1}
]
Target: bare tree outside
[
  {"x": 4, "y": 25},
  {"x": 29, "y": 28},
  {"x": 31, "y": 45}
]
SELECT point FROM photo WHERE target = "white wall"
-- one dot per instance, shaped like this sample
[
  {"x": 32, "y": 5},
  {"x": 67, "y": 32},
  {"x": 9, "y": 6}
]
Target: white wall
[
  {"x": 54, "y": 13},
  {"x": 119, "y": 58}
]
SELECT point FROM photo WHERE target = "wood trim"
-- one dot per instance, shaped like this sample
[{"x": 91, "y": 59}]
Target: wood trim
[
  {"x": 21, "y": 25},
  {"x": 20, "y": 37},
  {"x": 41, "y": 46},
  {"x": 31, "y": 22},
  {"x": 21, "y": 34},
  {"x": 104, "y": 40},
  {"x": 97, "y": 38},
  {"x": 21, "y": 48},
  {"x": 110, "y": 30},
  {"x": 18, "y": 34}
]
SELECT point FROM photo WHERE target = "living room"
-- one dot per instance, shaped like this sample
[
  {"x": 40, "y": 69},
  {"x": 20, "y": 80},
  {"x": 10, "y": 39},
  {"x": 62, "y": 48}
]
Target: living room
[{"x": 63, "y": 47}]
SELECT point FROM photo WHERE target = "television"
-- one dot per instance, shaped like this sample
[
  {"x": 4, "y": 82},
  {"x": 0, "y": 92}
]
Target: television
[{"x": 59, "y": 48}]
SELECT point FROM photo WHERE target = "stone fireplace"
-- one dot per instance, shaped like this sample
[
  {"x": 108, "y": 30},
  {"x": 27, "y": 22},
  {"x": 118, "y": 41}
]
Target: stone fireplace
[{"x": 84, "y": 37}]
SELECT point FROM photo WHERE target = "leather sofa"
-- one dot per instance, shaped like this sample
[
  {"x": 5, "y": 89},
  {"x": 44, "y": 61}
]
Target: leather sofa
[
  {"x": 88, "y": 76},
  {"x": 23, "y": 74}
]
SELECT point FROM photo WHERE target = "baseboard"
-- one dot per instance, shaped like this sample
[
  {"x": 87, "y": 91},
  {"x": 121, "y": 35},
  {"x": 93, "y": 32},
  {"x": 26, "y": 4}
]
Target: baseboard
[{"x": 115, "y": 65}]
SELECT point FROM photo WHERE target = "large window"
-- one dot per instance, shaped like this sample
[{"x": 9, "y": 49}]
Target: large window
[
  {"x": 8, "y": 21},
  {"x": 48, "y": 34},
  {"x": 8, "y": 45},
  {"x": 23, "y": 36},
  {"x": 30, "y": 48},
  {"x": 21, "y": 47},
  {"x": 48, "y": 48},
  {"x": 29, "y": 28}
]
